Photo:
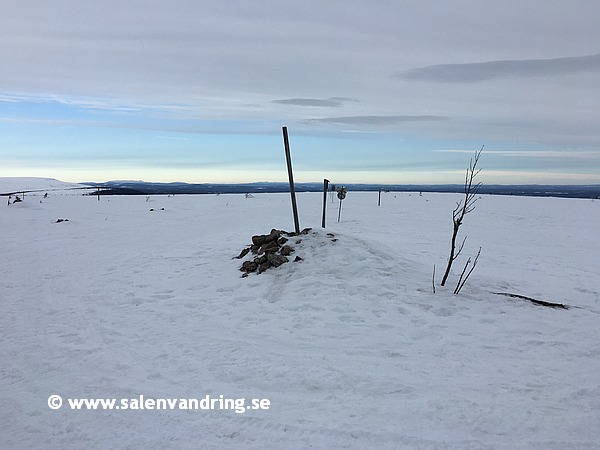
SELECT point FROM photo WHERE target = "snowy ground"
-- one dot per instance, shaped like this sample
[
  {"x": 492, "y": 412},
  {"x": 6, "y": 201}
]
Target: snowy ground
[{"x": 350, "y": 345}]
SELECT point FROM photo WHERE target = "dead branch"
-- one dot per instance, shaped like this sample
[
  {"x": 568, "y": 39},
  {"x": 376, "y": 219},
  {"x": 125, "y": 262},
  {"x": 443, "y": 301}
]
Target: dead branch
[
  {"x": 463, "y": 207},
  {"x": 535, "y": 301},
  {"x": 433, "y": 279}
]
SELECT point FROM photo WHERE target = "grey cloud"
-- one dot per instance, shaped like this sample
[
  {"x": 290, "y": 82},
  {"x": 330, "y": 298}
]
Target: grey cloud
[
  {"x": 374, "y": 120},
  {"x": 334, "y": 102},
  {"x": 216, "y": 67},
  {"x": 475, "y": 72},
  {"x": 345, "y": 99},
  {"x": 541, "y": 154}
]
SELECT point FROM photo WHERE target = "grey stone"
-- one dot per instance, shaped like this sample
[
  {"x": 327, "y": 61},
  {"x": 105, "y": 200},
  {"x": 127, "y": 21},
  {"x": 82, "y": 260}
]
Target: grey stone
[
  {"x": 269, "y": 247},
  {"x": 286, "y": 250},
  {"x": 260, "y": 259},
  {"x": 242, "y": 253},
  {"x": 249, "y": 266},
  {"x": 259, "y": 239},
  {"x": 276, "y": 260},
  {"x": 264, "y": 266}
]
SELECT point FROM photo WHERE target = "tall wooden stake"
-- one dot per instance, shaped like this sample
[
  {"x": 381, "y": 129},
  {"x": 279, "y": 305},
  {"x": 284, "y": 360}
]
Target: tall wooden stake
[
  {"x": 288, "y": 158},
  {"x": 379, "y": 199},
  {"x": 325, "y": 187}
]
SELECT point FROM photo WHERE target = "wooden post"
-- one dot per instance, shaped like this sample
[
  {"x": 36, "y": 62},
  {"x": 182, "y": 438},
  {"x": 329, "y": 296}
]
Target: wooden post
[
  {"x": 98, "y": 193},
  {"x": 379, "y": 199},
  {"x": 288, "y": 158},
  {"x": 341, "y": 195},
  {"x": 325, "y": 187}
]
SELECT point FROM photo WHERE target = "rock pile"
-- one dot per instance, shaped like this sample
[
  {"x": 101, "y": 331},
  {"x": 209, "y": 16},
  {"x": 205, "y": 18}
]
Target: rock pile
[{"x": 271, "y": 250}]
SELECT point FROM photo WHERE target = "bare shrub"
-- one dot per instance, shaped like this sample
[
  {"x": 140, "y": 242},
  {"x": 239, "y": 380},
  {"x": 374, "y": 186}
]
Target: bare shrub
[{"x": 463, "y": 207}]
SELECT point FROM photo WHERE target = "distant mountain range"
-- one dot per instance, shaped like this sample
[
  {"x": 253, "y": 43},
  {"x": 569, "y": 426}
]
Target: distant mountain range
[
  {"x": 18, "y": 185},
  {"x": 148, "y": 188}
]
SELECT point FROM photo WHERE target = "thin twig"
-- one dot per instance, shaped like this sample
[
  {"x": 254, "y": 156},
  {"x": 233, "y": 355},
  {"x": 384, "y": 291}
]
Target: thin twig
[
  {"x": 462, "y": 274},
  {"x": 460, "y": 248},
  {"x": 459, "y": 286}
]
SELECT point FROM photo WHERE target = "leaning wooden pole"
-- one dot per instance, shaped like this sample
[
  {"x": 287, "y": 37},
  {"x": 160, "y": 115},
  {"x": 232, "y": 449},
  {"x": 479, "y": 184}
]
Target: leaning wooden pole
[
  {"x": 325, "y": 187},
  {"x": 288, "y": 158}
]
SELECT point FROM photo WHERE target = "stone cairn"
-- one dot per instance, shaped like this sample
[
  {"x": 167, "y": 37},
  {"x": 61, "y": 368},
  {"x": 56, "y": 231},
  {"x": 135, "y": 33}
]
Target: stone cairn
[{"x": 271, "y": 250}]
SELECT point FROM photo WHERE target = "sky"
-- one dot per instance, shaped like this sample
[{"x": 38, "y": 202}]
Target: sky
[{"x": 378, "y": 91}]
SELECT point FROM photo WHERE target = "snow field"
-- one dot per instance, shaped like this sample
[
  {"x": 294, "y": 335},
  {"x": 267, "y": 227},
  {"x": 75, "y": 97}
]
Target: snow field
[{"x": 350, "y": 345}]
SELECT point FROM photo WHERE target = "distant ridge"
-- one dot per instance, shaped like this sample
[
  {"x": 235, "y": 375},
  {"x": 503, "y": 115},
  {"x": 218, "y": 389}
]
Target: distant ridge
[
  {"x": 147, "y": 188},
  {"x": 16, "y": 185}
]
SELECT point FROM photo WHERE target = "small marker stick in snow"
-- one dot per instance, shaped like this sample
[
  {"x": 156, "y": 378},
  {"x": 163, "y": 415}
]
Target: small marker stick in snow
[
  {"x": 341, "y": 194},
  {"x": 325, "y": 187}
]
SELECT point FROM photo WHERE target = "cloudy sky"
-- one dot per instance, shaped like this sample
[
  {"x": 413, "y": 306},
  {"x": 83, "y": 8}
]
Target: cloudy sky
[{"x": 380, "y": 91}]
